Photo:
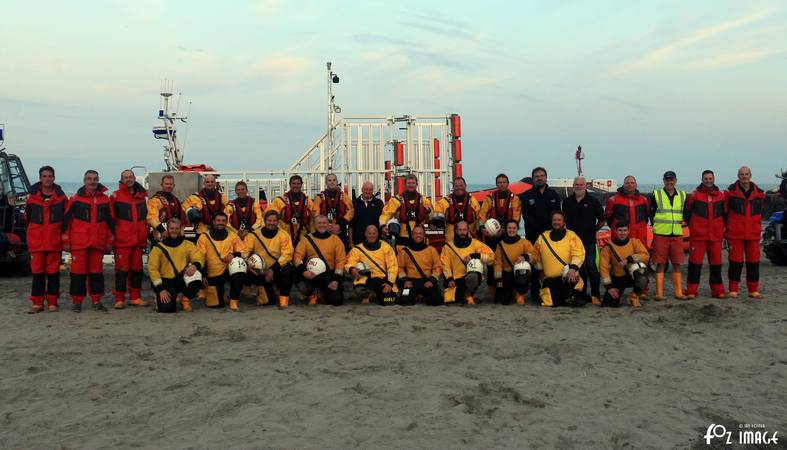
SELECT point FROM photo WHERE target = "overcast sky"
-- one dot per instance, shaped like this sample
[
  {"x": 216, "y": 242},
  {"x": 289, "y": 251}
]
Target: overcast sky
[{"x": 642, "y": 86}]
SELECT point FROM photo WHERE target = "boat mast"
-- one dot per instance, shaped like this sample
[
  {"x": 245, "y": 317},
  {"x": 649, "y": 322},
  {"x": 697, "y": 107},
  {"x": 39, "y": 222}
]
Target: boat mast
[
  {"x": 173, "y": 155},
  {"x": 579, "y": 156}
]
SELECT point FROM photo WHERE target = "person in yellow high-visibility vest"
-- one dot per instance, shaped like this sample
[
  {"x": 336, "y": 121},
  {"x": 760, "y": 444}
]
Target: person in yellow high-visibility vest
[
  {"x": 374, "y": 266},
  {"x": 666, "y": 214}
]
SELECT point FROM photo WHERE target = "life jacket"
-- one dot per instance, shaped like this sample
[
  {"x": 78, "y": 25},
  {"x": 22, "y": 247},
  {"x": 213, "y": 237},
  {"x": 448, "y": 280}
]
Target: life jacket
[
  {"x": 171, "y": 207},
  {"x": 706, "y": 214},
  {"x": 333, "y": 206},
  {"x": 505, "y": 212},
  {"x": 458, "y": 211},
  {"x": 130, "y": 213},
  {"x": 632, "y": 209},
  {"x": 45, "y": 217},
  {"x": 290, "y": 214},
  {"x": 243, "y": 218},
  {"x": 744, "y": 214},
  {"x": 207, "y": 209},
  {"x": 407, "y": 214},
  {"x": 89, "y": 222}
]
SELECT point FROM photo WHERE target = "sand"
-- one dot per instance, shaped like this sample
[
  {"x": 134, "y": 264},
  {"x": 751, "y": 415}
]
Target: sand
[{"x": 363, "y": 376}]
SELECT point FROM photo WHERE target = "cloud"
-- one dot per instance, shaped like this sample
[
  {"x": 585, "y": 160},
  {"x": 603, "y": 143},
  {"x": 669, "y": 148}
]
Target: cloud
[
  {"x": 20, "y": 101},
  {"x": 267, "y": 9},
  {"x": 735, "y": 59},
  {"x": 628, "y": 104},
  {"x": 659, "y": 56},
  {"x": 280, "y": 66},
  {"x": 185, "y": 49}
]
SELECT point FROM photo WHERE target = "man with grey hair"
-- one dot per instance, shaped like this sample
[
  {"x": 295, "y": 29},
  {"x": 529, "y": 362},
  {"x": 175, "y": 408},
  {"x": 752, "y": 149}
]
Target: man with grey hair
[
  {"x": 367, "y": 210},
  {"x": 631, "y": 207},
  {"x": 745, "y": 203},
  {"x": 585, "y": 216},
  {"x": 201, "y": 206}
]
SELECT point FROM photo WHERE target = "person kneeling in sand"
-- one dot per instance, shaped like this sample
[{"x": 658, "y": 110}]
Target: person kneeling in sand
[
  {"x": 622, "y": 265},
  {"x": 512, "y": 266},
  {"x": 320, "y": 259},
  {"x": 174, "y": 265},
  {"x": 218, "y": 248},
  {"x": 373, "y": 265},
  {"x": 419, "y": 271},
  {"x": 559, "y": 255},
  {"x": 463, "y": 265},
  {"x": 274, "y": 246}
]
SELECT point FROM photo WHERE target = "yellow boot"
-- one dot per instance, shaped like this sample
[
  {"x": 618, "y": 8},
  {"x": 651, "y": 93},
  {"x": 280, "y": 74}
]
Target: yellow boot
[
  {"x": 137, "y": 302},
  {"x": 211, "y": 297},
  {"x": 546, "y": 297},
  {"x": 284, "y": 302},
  {"x": 186, "y": 303},
  {"x": 234, "y": 305},
  {"x": 313, "y": 299},
  {"x": 469, "y": 300},
  {"x": 634, "y": 300},
  {"x": 677, "y": 283},
  {"x": 520, "y": 298},
  {"x": 262, "y": 296},
  {"x": 659, "y": 287},
  {"x": 595, "y": 300}
]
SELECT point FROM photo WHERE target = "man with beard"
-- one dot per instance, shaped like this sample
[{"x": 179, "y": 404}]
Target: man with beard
[
  {"x": 537, "y": 205},
  {"x": 169, "y": 261},
  {"x": 631, "y": 207},
  {"x": 162, "y": 206},
  {"x": 419, "y": 271},
  {"x": 705, "y": 215},
  {"x": 745, "y": 204},
  {"x": 88, "y": 232},
  {"x": 201, "y": 206},
  {"x": 503, "y": 206},
  {"x": 457, "y": 206},
  {"x": 243, "y": 212},
  {"x": 409, "y": 209},
  {"x": 512, "y": 250},
  {"x": 559, "y": 255},
  {"x": 273, "y": 245},
  {"x": 129, "y": 211},
  {"x": 378, "y": 268},
  {"x": 218, "y": 247},
  {"x": 44, "y": 214},
  {"x": 455, "y": 257},
  {"x": 328, "y": 248},
  {"x": 336, "y": 206},
  {"x": 294, "y": 209}
]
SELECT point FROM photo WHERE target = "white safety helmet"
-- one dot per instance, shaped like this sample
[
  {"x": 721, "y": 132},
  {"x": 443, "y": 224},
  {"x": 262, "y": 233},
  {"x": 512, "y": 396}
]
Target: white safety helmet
[
  {"x": 190, "y": 279},
  {"x": 237, "y": 265},
  {"x": 316, "y": 266},
  {"x": 564, "y": 272},
  {"x": 256, "y": 262},
  {"x": 639, "y": 274},
  {"x": 393, "y": 226},
  {"x": 492, "y": 226},
  {"x": 475, "y": 265},
  {"x": 363, "y": 268},
  {"x": 522, "y": 269}
]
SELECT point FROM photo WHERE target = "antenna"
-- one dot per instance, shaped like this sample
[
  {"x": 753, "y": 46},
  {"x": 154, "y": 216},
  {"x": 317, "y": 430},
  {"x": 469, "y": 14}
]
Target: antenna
[
  {"x": 173, "y": 157},
  {"x": 579, "y": 156}
]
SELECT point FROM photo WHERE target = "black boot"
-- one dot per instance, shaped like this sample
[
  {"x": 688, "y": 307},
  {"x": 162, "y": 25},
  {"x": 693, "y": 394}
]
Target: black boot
[
  {"x": 76, "y": 307},
  {"x": 99, "y": 307}
]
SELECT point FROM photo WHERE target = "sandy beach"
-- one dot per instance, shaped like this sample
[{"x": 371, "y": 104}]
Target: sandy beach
[{"x": 362, "y": 376}]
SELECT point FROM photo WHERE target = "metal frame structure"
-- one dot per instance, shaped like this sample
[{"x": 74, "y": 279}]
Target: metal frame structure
[
  {"x": 173, "y": 155},
  {"x": 377, "y": 148}
]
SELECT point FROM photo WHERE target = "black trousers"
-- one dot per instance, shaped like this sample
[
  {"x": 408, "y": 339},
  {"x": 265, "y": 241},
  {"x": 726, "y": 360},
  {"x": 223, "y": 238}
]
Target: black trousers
[
  {"x": 563, "y": 294},
  {"x": 236, "y": 286},
  {"x": 176, "y": 286},
  {"x": 320, "y": 283},
  {"x": 619, "y": 283},
  {"x": 282, "y": 280},
  {"x": 589, "y": 272},
  {"x": 431, "y": 296},
  {"x": 505, "y": 295},
  {"x": 376, "y": 286}
]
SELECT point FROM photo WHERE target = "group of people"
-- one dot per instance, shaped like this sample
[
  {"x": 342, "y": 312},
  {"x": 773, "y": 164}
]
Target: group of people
[{"x": 311, "y": 245}]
